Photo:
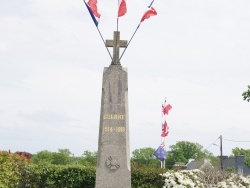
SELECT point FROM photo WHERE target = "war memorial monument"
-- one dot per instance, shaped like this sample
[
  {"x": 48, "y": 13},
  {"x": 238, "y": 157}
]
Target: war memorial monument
[{"x": 113, "y": 162}]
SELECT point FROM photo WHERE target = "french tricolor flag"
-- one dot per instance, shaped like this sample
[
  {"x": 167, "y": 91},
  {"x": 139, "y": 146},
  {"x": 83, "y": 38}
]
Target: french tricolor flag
[{"x": 92, "y": 8}]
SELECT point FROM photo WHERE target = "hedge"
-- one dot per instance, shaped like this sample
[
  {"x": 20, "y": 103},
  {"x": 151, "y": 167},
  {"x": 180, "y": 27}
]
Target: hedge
[{"x": 17, "y": 172}]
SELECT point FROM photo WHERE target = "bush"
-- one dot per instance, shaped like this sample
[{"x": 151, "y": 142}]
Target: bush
[
  {"x": 58, "y": 176},
  {"x": 201, "y": 179},
  {"x": 11, "y": 169},
  {"x": 17, "y": 172},
  {"x": 145, "y": 177},
  {"x": 62, "y": 176}
]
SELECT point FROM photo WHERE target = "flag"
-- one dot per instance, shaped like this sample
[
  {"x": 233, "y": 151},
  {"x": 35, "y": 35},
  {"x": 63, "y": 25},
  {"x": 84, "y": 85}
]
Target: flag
[
  {"x": 166, "y": 107},
  {"x": 122, "y": 8},
  {"x": 93, "y": 7},
  {"x": 150, "y": 12},
  {"x": 160, "y": 153},
  {"x": 164, "y": 130},
  {"x": 92, "y": 12}
]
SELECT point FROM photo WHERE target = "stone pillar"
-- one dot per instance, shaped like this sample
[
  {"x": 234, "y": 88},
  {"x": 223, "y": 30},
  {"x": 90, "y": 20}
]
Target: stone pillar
[{"x": 113, "y": 161}]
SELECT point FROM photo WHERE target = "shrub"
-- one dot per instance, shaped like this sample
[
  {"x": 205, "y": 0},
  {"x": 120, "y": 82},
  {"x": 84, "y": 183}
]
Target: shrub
[
  {"x": 11, "y": 169},
  {"x": 202, "y": 179},
  {"x": 145, "y": 177},
  {"x": 58, "y": 176}
]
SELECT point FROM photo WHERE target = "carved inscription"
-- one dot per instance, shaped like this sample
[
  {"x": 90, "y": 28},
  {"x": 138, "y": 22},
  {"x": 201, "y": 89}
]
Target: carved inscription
[
  {"x": 114, "y": 129},
  {"x": 108, "y": 128},
  {"x": 114, "y": 116}
]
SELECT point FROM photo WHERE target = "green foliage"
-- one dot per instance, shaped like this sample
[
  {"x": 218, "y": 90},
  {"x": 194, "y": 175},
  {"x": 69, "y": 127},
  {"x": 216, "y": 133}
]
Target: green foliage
[
  {"x": 78, "y": 176},
  {"x": 182, "y": 151},
  {"x": 230, "y": 169},
  {"x": 11, "y": 169},
  {"x": 246, "y": 94},
  {"x": 58, "y": 176},
  {"x": 88, "y": 158},
  {"x": 145, "y": 177},
  {"x": 144, "y": 157},
  {"x": 17, "y": 172},
  {"x": 62, "y": 157},
  {"x": 246, "y": 152},
  {"x": 43, "y": 157}
]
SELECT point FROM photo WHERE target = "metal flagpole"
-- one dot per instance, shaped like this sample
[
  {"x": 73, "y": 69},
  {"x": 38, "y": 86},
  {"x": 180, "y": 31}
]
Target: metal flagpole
[
  {"x": 134, "y": 33},
  {"x": 105, "y": 43},
  {"x": 117, "y": 26},
  {"x": 151, "y": 4},
  {"x": 96, "y": 24},
  {"x": 129, "y": 41}
]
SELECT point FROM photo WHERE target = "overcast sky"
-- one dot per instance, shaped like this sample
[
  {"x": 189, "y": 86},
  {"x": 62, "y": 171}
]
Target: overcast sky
[{"x": 194, "y": 52}]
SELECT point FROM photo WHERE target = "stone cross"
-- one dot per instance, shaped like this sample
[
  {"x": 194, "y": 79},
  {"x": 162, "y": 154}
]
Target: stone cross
[{"x": 116, "y": 43}]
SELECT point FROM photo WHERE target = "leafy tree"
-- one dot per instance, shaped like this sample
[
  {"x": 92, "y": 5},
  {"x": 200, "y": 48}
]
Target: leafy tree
[
  {"x": 182, "y": 151},
  {"x": 246, "y": 94},
  {"x": 88, "y": 158},
  {"x": 62, "y": 157},
  {"x": 246, "y": 152},
  {"x": 43, "y": 157},
  {"x": 144, "y": 157}
]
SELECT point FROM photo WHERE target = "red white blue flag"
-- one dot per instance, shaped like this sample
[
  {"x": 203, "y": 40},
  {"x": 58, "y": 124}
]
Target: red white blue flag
[{"x": 92, "y": 8}]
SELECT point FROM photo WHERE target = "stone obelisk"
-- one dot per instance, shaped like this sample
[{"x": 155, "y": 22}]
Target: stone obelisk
[{"x": 113, "y": 161}]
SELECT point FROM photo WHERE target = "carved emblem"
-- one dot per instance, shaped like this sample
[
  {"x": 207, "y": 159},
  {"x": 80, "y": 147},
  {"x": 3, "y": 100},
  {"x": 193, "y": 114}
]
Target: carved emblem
[{"x": 112, "y": 163}]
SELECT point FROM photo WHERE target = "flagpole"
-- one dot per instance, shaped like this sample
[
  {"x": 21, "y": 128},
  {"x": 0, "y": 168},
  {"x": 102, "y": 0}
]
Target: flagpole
[
  {"x": 133, "y": 34},
  {"x": 151, "y": 4},
  {"x": 96, "y": 24},
  {"x": 130, "y": 41},
  {"x": 104, "y": 43},
  {"x": 117, "y": 22}
]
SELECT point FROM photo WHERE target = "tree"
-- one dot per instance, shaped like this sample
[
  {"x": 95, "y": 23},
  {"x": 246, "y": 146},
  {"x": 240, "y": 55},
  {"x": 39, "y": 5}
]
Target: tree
[
  {"x": 246, "y": 152},
  {"x": 62, "y": 157},
  {"x": 43, "y": 157},
  {"x": 144, "y": 157},
  {"x": 88, "y": 158},
  {"x": 246, "y": 94},
  {"x": 182, "y": 151}
]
